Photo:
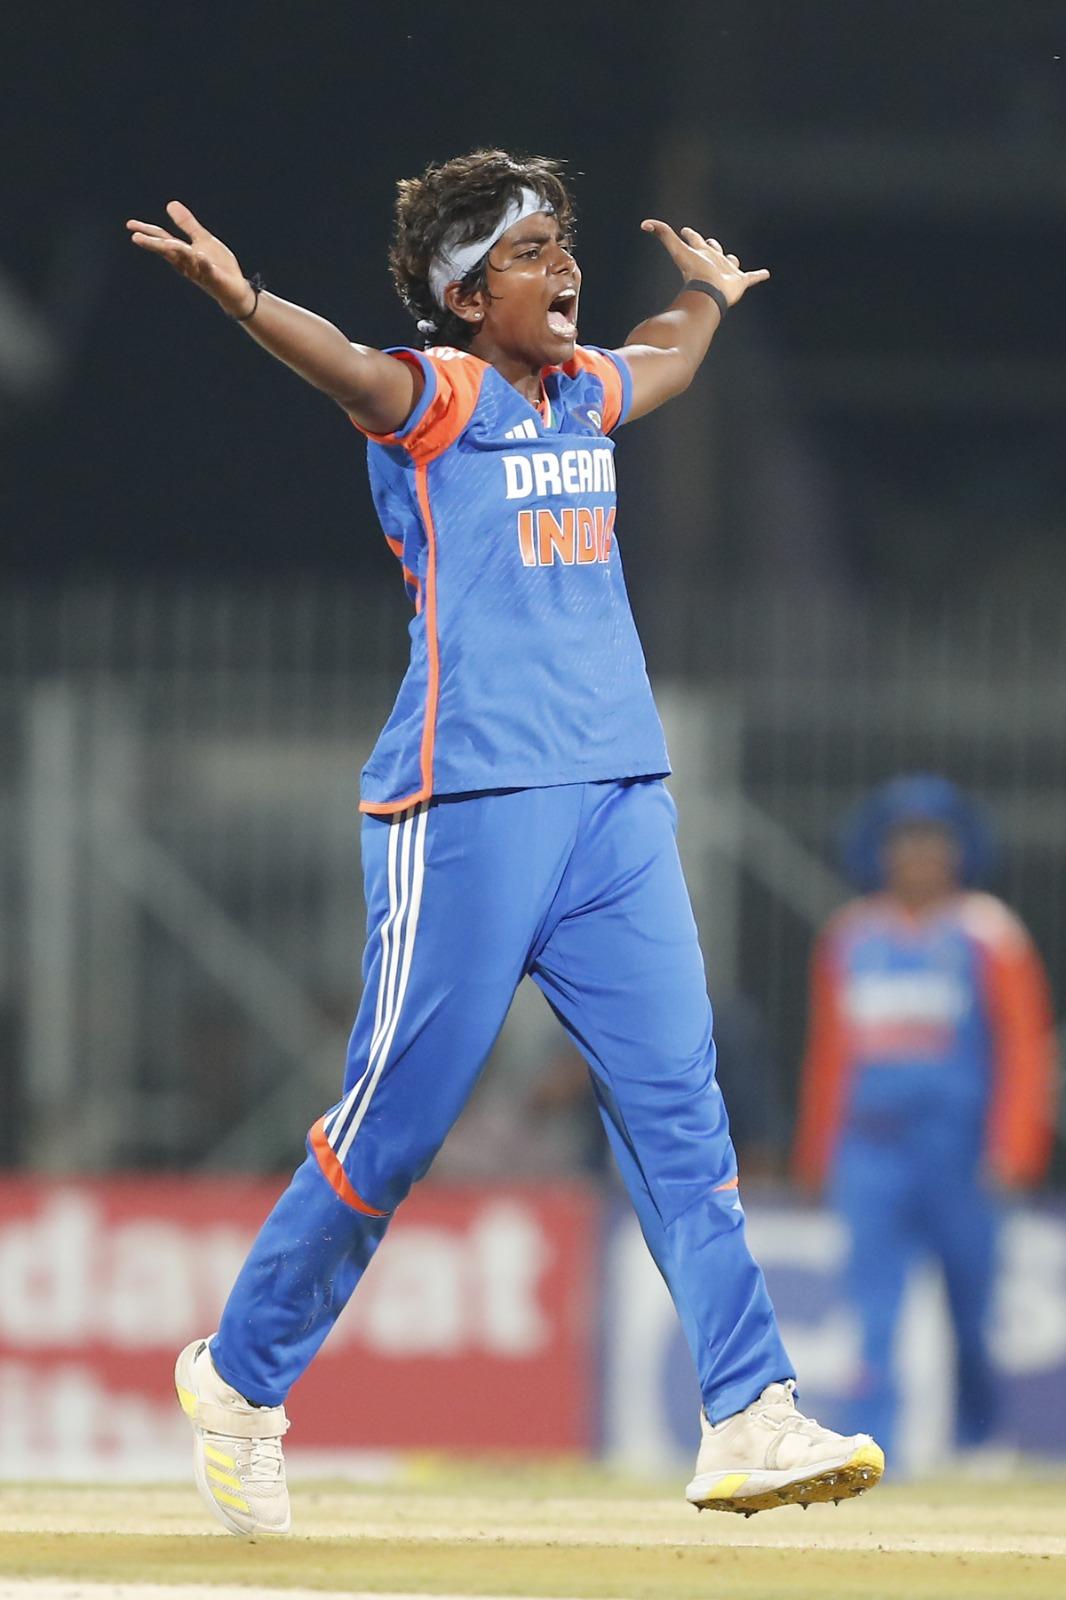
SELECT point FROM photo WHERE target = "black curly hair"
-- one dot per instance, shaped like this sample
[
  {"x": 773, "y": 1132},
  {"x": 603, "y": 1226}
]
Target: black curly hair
[{"x": 462, "y": 200}]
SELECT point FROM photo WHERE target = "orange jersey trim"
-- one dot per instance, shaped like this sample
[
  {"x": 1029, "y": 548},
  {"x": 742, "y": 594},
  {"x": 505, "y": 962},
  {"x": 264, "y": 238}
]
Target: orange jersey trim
[
  {"x": 457, "y": 377},
  {"x": 1021, "y": 1121},
  {"x": 389, "y": 808},
  {"x": 335, "y": 1174},
  {"x": 429, "y": 726},
  {"x": 428, "y": 605},
  {"x": 825, "y": 1072},
  {"x": 412, "y": 579}
]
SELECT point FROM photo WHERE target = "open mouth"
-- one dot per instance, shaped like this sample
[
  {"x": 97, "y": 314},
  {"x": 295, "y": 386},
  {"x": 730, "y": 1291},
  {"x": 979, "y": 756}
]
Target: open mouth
[{"x": 562, "y": 314}]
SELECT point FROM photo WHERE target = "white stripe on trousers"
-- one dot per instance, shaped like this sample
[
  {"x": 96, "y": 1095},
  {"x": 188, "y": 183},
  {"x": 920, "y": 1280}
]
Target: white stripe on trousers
[
  {"x": 407, "y": 840},
  {"x": 334, "y": 1123},
  {"x": 387, "y": 925},
  {"x": 397, "y": 886},
  {"x": 391, "y": 943}
]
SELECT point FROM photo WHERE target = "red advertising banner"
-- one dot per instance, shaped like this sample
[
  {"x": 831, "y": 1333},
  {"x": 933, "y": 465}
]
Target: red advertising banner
[{"x": 474, "y": 1327}]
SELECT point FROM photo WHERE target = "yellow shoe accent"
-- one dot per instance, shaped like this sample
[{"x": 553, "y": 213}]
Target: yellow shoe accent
[
  {"x": 822, "y": 1465},
  {"x": 861, "y": 1472},
  {"x": 223, "y": 1477},
  {"x": 726, "y": 1487},
  {"x": 237, "y": 1458},
  {"x": 869, "y": 1455},
  {"x": 230, "y": 1499}
]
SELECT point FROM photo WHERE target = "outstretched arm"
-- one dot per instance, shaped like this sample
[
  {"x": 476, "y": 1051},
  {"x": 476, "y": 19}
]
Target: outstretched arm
[
  {"x": 376, "y": 391},
  {"x": 664, "y": 352}
]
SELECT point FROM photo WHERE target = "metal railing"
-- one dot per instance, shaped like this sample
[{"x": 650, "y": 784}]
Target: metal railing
[{"x": 180, "y": 930}]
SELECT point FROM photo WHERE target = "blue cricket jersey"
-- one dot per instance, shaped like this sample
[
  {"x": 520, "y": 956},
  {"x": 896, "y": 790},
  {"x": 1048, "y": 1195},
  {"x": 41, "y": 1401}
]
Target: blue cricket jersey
[
  {"x": 929, "y": 1026},
  {"x": 526, "y": 669}
]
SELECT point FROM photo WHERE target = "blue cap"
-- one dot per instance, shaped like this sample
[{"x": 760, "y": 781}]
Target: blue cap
[{"x": 915, "y": 797}]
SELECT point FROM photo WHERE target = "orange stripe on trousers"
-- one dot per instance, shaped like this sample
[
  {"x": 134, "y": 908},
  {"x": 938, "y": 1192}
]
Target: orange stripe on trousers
[{"x": 335, "y": 1174}]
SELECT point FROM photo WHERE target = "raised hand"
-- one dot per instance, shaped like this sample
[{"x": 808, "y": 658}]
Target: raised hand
[
  {"x": 697, "y": 257},
  {"x": 204, "y": 260}
]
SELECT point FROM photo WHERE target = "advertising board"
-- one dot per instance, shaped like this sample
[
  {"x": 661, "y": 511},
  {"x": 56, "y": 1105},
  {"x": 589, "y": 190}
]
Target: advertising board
[
  {"x": 473, "y": 1329},
  {"x": 651, "y": 1402}
]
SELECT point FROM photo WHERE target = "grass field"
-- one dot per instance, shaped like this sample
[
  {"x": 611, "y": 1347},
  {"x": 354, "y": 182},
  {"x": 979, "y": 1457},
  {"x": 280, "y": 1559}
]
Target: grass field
[{"x": 574, "y": 1532}]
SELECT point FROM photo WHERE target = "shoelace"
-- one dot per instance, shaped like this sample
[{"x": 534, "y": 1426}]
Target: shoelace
[
  {"x": 261, "y": 1460},
  {"x": 796, "y": 1422},
  {"x": 782, "y": 1414}
]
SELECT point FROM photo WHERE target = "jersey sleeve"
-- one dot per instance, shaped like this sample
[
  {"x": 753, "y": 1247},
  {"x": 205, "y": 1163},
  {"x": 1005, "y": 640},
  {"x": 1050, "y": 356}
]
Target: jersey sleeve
[
  {"x": 609, "y": 366},
  {"x": 1020, "y": 1127},
  {"x": 824, "y": 1075},
  {"x": 451, "y": 387}
]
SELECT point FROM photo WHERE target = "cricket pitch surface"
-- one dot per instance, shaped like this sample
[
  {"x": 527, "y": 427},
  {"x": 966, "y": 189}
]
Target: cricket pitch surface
[{"x": 568, "y": 1532}]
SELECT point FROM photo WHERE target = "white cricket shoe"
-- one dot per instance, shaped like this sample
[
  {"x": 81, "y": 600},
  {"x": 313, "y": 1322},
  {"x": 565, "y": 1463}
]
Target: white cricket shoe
[
  {"x": 772, "y": 1455},
  {"x": 240, "y": 1471}
]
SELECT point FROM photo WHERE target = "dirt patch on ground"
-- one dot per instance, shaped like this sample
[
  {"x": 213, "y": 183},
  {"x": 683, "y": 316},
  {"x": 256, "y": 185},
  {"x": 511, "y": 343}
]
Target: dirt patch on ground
[
  {"x": 535, "y": 1538},
  {"x": 49, "y": 1589},
  {"x": 52, "y": 1589}
]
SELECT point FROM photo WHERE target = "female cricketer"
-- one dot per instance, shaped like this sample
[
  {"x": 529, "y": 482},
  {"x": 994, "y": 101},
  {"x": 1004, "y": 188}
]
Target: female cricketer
[
  {"x": 514, "y": 818},
  {"x": 928, "y": 1084}
]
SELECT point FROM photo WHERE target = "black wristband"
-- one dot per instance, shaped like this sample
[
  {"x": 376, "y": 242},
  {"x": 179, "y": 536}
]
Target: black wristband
[
  {"x": 709, "y": 288},
  {"x": 256, "y": 284}
]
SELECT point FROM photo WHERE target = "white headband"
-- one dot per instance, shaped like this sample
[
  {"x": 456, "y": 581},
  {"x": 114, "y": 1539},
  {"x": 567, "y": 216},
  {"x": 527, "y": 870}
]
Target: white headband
[{"x": 453, "y": 262}]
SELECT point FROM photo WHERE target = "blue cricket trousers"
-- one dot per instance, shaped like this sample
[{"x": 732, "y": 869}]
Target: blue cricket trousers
[
  {"x": 919, "y": 1194},
  {"x": 579, "y": 886}
]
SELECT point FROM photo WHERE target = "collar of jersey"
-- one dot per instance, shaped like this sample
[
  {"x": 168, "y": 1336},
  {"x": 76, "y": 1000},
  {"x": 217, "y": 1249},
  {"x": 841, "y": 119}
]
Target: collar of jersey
[{"x": 545, "y": 405}]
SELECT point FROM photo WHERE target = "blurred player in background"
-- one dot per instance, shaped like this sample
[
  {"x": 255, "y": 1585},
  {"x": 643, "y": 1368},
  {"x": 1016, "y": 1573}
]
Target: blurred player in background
[
  {"x": 515, "y": 819},
  {"x": 927, "y": 1088}
]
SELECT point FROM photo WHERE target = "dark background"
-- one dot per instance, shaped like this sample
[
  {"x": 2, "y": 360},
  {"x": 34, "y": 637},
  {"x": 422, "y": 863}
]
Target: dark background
[
  {"x": 846, "y": 540},
  {"x": 898, "y": 165}
]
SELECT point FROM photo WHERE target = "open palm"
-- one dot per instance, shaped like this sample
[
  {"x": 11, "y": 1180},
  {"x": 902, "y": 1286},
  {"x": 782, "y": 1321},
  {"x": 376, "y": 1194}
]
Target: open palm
[
  {"x": 200, "y": 257},
  {"x": 696, "y": 256}
]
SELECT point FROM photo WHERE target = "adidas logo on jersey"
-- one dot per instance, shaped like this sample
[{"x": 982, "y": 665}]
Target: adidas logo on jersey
[{"x": 528, "y": 428}]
